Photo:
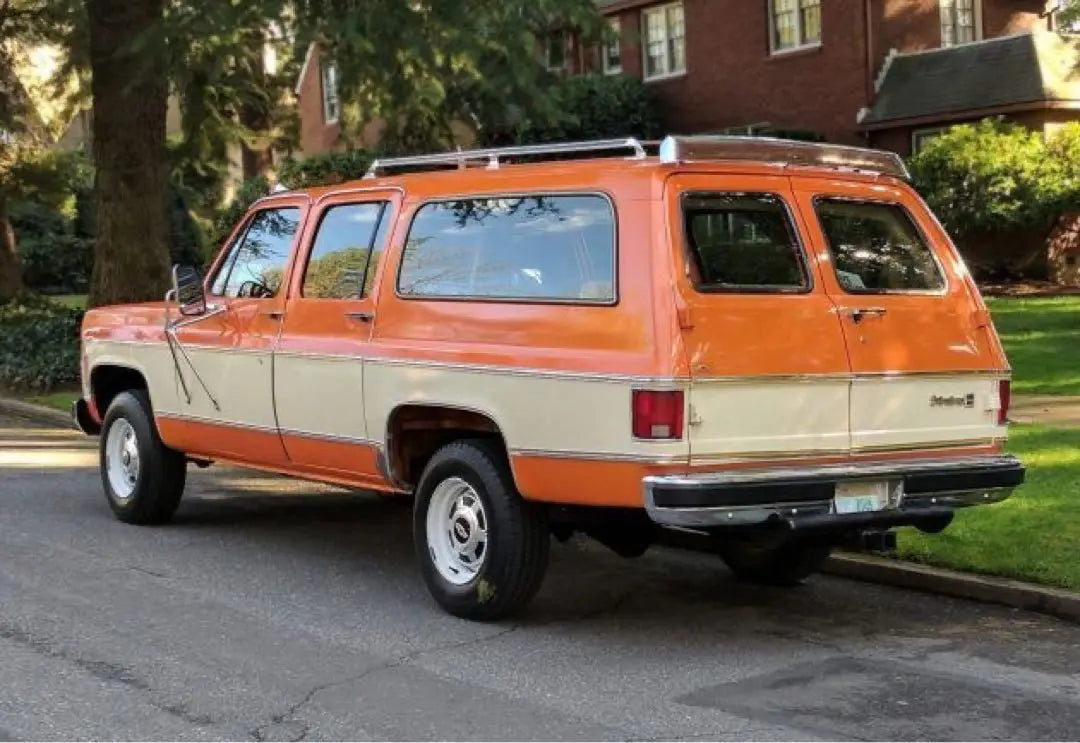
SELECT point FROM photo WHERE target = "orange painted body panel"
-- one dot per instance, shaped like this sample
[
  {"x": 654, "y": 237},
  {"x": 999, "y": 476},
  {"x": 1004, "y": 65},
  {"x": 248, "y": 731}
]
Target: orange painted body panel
[
  {"x": 212, "y": 441},
  {"x": 917, "y": 332}
]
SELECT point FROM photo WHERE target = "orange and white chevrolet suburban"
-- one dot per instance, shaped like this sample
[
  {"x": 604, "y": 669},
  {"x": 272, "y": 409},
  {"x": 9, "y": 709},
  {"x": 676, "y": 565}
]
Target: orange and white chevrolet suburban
[{"x": 773, "y": 344}]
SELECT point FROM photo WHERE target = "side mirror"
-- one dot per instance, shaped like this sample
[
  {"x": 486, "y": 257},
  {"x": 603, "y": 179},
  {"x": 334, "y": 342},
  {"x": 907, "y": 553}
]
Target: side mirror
[{"x": 188, "y": 291}]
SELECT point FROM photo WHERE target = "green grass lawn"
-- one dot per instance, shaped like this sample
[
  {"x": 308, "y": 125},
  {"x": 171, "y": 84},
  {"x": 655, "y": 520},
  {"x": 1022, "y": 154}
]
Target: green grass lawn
[
  {"x": 58, "y": 400},
  {"x": 1042, "y": 339},
  {"x": 75, "y": 301},
  {"x": 1033, "y": 536}
]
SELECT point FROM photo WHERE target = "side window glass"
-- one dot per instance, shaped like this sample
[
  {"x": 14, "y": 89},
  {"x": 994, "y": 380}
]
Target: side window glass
[
  {"x": 876, "y": 248},
  {"x": 742, "y": 243},
  {"x": 255, "y": 266},
  {"x": 535, "y": 248},
  {"x": 348, "y": 244}
]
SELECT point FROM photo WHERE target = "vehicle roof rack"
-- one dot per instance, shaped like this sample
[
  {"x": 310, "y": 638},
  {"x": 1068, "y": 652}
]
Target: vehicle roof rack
[
  {"x": 676, "y": 149},
  {"x": 495, "y": 155}
]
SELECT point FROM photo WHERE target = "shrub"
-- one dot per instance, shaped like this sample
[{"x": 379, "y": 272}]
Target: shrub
[
  {"x": 596, "y": 107},
  {"x": 989, "y": 177},
  {"x": 53, "y": 259},
  {"x": 39, "y": 345}
]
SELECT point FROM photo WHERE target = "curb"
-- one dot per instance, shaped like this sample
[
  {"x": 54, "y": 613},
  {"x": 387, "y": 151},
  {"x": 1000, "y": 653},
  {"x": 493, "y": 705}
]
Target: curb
[
  {"x": 38, "y": 413},
  {"x": 1054, "y": 602},
  {"x": 1017, "y": 594}
]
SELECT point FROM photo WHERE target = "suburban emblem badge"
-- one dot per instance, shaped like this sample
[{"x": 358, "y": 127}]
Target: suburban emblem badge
[{"x": 953, "y": 401}]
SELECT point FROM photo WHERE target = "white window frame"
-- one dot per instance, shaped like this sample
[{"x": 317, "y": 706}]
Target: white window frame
[
  {"x": 331, "y": 95},
  {"x": 668, "y": 71},
  {"x": 615, "y": 25},
  {"x": 917, "y": 134},
  {"x": 799, "y": 32},
  {"x": 976, "y": 18},
  {"x": 564, "y": 36}
]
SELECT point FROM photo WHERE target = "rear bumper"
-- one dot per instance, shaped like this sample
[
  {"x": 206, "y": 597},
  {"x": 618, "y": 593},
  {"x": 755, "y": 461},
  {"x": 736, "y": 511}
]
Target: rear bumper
[{"x": 919, "y": 491}]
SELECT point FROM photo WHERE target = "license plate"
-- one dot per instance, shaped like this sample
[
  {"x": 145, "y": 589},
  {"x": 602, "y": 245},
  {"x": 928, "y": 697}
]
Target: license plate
[{"x": 861, "y": 497}]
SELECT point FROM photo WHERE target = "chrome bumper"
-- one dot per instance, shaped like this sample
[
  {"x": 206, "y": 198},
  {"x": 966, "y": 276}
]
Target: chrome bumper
[{"x": 803, "y": 497}]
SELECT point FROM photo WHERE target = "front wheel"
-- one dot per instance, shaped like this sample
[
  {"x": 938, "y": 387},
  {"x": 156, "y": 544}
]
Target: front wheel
[
  {"x": 787, "y": 564},
  {"x": 483, "y": 550},
  {"x": 143, "y": 478}
]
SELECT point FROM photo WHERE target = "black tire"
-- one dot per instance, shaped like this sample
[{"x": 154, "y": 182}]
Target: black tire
[
  {"x": 161, "y": 472},
  {"x": 785, "y": 565},
  {"x": 515, "y": 556}
]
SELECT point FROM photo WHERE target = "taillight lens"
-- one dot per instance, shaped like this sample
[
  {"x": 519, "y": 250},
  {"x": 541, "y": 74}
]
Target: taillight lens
[
  {"x": 658, "y": 414},
  {"x": 1005, "y": 395}
]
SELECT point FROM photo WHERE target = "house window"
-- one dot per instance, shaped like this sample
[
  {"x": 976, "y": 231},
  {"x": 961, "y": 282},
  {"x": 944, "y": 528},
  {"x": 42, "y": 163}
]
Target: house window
[
  {"x": 665, "y": 40},
  {"x": 959, "y": 21},
  {"x": 920, "y": 138},
  {"x": 613, "y": 48},
  {"x": 330, "y": 101},
  {"x": 794, "y": 24},
  {"x": 555, "y": 53}
]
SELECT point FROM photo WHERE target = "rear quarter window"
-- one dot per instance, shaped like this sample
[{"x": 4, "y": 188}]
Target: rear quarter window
[
  {"x": 876, "y": 248},
  {"x": 742, "y": 242},
  {"x": 540, "y": 248}
]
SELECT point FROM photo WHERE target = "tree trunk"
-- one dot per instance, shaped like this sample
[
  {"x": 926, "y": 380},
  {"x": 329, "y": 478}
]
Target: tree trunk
[
  {"x": 10, "y": 270},
  {"x": 130, "y": 90}
]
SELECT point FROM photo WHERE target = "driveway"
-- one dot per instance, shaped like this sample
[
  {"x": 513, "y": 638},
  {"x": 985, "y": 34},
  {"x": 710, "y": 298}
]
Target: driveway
[{"x": 273, "y": 609}]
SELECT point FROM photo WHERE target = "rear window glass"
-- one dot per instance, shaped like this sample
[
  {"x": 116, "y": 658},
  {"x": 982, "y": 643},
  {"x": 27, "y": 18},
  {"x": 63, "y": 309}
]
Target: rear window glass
[
  {"x": 743, "y": 242},
  {"x": 539, "y": 248},
  {"x": 877, "y": 248}
]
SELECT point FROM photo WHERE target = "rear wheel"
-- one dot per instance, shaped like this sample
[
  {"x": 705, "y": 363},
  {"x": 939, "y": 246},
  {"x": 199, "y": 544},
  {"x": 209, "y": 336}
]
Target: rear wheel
[
  {"x": 483, "y": 550},
  {"x": 143, "y": 478},
  {"x": 786, "y": 564}
]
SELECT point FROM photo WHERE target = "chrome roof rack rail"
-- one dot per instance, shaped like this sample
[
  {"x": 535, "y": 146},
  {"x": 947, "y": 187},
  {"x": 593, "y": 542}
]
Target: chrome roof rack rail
[
  {"x": 781, "y": 151},
  {"x": 495, "y": 155}
]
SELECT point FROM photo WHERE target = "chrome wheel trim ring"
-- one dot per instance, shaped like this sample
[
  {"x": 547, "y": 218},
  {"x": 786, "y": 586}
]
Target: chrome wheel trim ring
[
  {"x": 457, "y": 531},
  {"x": 122, "y": 459}
]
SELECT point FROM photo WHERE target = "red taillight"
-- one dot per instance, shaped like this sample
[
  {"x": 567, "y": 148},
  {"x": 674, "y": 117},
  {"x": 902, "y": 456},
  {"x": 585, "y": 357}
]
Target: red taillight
[
  {"x": 1005, "y": 395},
  {"x": 658, "y": 414}
]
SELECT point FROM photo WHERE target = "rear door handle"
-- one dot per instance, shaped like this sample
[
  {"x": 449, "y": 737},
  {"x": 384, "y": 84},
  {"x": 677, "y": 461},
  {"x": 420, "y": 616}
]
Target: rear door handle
[
  {"x": 360, "y": 315},
  {"x": 858, "y": 313},
  {"x": 274, "y": 314}
]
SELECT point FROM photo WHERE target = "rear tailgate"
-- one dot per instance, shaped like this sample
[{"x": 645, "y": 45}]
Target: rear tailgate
[
  {"x": 927, "y": 368},
  {"x": 769, "y": 372}
]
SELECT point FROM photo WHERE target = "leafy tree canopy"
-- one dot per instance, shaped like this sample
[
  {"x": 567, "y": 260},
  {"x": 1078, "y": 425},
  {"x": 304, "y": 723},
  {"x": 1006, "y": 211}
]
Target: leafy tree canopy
[{"x": 422, "y": 65}]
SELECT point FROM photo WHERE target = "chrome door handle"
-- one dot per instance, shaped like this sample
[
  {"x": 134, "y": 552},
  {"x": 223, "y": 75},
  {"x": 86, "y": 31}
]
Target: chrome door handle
[
  {"x": 857, "y": 313},
  {"x": 361, "y": 315}
]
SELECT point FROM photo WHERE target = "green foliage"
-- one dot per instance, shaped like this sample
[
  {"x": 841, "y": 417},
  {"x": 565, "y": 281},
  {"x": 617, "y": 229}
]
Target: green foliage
[
  {"x": 990, "y": 176},
  {"x": 226, "y": 219},
  {"x": 422, "y": 65},
  {"x": 53, "y": 258},
  {"x": 50, "y": 177},
  {"x": 39, "y": 345},
  {"x": 325, "y": 169},
  {"x": 596, "y": 107}
]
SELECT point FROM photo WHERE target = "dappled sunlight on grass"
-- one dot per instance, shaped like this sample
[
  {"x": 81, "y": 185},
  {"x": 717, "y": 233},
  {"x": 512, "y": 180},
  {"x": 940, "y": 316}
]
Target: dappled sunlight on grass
[{"x": 1035, "y": 535}]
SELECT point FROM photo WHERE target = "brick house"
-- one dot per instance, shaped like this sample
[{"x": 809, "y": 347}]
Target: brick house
[{"x": 885, "y": 72}]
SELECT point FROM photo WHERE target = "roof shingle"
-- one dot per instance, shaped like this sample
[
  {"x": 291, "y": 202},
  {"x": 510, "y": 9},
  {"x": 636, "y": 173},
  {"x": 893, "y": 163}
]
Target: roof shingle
[{"x": 1027, "y": 68}]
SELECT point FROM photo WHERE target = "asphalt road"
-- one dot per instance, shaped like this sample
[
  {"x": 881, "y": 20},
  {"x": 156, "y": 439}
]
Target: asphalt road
[{"x": 279, "y": 610}]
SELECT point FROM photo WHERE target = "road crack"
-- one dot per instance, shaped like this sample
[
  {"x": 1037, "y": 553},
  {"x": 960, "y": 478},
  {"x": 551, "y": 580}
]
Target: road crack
[{"x": 298, "y": 729}]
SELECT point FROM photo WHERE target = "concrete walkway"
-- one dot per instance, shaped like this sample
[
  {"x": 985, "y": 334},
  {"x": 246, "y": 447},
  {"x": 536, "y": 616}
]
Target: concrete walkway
[{"x": 1051, "y": 410}]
